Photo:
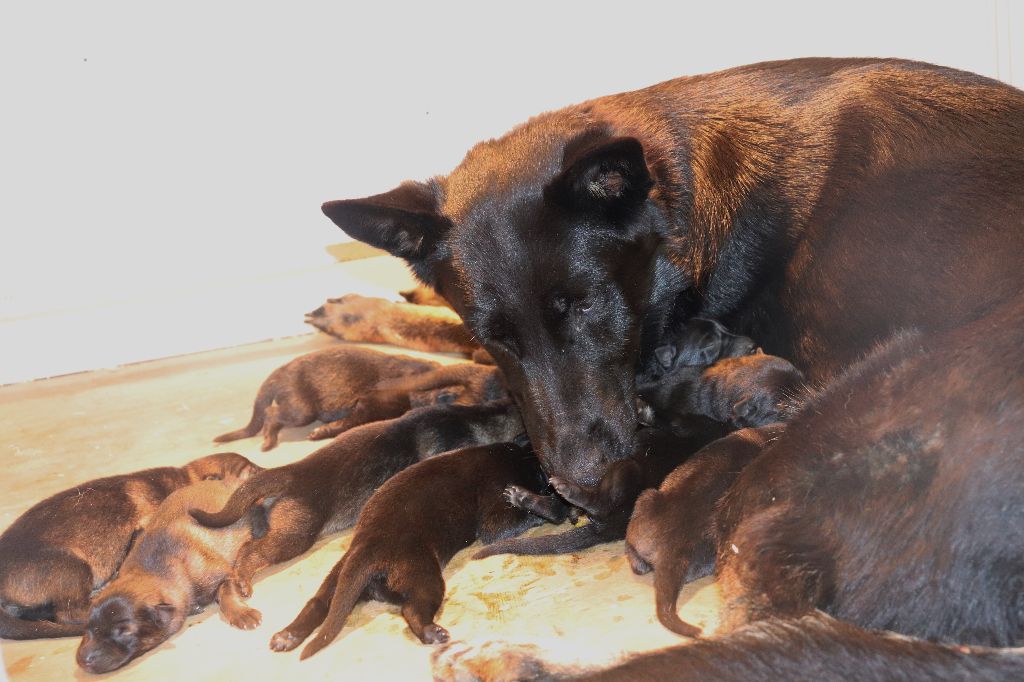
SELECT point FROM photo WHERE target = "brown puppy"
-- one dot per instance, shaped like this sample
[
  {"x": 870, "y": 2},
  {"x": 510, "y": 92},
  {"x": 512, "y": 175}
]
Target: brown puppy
[
  {"x": 378, "y": 320},
  {"x": 324, "y": 492},
  {"x": 671, "y": 527},
  {"x": 609, "y": 504},
  {"x": 463, "y": 383},
  {"x": 328, "y": 385},
  {"x": 175, "y": 569},
  {"x": 69, "y": 545},
  {"x": 408, "y": 532},
  {"x": 421, "y": 295}
]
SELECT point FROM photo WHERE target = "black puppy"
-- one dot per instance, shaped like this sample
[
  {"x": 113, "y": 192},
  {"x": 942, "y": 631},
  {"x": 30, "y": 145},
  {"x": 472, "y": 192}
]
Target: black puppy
[
  {"x": 699, "y": 343},
  {"x": 408, "y": 532},
  {"x": 56, "y": 554},
  {"x": 608, "y": 504},
  {"x": 324, "y": 492},
  {"x": 329, "y": 385},
  {"x": 670, "y": 529}
]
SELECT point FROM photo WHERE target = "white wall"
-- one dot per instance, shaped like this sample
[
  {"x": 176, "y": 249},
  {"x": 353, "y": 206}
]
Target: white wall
[{"x": 147, "y": 145}]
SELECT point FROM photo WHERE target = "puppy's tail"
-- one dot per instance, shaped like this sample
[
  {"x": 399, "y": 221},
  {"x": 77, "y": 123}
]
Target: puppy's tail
[
  {"x": 12, "y": 627},
  {"x": 352, "y": 579},
  {"x": 264, "y": 484},
  {"x": 259, "y": 411},
  {"x": 572, "y": 540},
  {"x": 668, "y": 581}
]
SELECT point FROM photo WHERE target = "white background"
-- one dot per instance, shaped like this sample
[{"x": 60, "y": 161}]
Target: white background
[{"x": 146, "y": 147}]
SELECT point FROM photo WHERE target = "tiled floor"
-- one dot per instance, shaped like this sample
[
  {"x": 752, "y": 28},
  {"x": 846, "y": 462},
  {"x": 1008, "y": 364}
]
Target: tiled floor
[{"x": 58, "y": 432}]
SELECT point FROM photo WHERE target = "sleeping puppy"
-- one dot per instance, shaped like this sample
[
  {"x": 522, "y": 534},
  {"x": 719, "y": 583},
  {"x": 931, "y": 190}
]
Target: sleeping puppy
[
  {"x": 324, "y": 492},
  {"x": 377, "y": 320},
  {"x": 463, "y": 383},
  {"x": 407, "y": 533},
  {"x": 56, "y": 554},
  {"x": 608, "y": 505},
  {"x": 328, "y": 385},
  {"x": 175, "y": 569},
  {"x": 749, "y": 390},
  {"x": 700, "y": 343},
  {"x": 671, "y": 532}
]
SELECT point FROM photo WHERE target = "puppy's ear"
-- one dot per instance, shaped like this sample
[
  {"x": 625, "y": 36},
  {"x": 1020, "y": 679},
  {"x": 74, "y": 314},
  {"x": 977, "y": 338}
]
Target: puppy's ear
[
  {"x": 162, "y": 614},
  {"x": 405, "y": 222},
  {"x": 609, "y": 176},
  {"x": 665, "y": 355},
  {"x": 701, "y": 350}
]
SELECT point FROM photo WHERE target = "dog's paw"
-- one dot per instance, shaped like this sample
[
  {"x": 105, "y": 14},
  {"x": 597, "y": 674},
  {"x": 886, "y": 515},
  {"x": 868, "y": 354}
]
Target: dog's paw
[
  {"x": 242, "y": 617},
  {"x": 285, "y": 641},
  {"x": 434, "y": 634},
  {"x": 488, "y": 662}
]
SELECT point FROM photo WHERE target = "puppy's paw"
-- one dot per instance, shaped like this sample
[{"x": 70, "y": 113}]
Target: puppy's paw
[
  {"x": 320, "y": 433},
  {"x": 516, "y": 495},
  {"x": 242, "y": 617},
  {"x": 434, "y": 634},
  {"x": 488, "y": 662},
  {"x": 285, "y": 641}
]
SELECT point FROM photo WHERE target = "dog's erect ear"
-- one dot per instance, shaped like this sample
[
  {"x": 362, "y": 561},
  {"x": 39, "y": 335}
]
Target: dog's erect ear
[
  {"x": 610, "y": 176},
  {"x": 404, "y": 222}
]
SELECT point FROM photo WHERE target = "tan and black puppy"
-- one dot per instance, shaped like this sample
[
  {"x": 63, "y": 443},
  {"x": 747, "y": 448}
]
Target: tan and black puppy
[
  {"x": 329, "y": 385},
  {"x": 608, "y": 505},
  {"x": 377, "y": 320},
  {"x": 325, "y": 492},
  {"x": 175, "y": 569},
  {"x": 671, "y": 528},
  {"x": 409, "y": 530},
  {"x": 56, "y": 554}
]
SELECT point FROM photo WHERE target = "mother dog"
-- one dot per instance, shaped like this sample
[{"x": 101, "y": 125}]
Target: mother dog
[{"x": 816, "y": 205}]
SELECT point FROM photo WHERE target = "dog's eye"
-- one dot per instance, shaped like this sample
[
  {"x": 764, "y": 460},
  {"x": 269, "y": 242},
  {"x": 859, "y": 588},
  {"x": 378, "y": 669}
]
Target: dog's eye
[
  {"x": 585, "y": 305},
  {"x": 212, "y": 477}
]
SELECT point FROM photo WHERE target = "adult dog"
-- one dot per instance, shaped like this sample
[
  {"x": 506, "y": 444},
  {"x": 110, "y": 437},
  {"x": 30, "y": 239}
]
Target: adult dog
[{"x": 816, "y": 205}]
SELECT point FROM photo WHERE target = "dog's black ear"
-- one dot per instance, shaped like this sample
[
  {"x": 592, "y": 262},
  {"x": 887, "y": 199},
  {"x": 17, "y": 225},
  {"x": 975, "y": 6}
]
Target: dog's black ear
[
  {"x": 610, "y": 176},
  {"x": 701, "y": 349},
  {"x": 404, "y": 222}
]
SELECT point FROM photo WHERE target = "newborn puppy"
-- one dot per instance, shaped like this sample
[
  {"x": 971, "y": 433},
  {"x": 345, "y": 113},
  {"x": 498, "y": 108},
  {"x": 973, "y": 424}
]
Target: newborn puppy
[
  {"x": 463, "y": 383},
  {"x": 671, "y": 527},
  {"x": 608, "y": 505},
  {"x": 327, "y": 385},
  {"x": 749, "y": 390},
  {"x": 378, "y": 320},
  {"x": 409, "y": 530},
  {"x": 175, "y": 569},
  {"x": 701, "y": 343},
  {"x": 324, "y": 492},
  {"x": 65, "y": 547}
]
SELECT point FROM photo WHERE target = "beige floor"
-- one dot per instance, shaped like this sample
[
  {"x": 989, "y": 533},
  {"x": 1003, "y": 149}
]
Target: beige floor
[{"x": 62, "y": 431}]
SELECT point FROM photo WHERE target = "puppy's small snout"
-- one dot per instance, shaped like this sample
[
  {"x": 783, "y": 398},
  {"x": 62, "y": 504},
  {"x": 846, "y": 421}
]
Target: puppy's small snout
[{"x": 319, "y": 312}]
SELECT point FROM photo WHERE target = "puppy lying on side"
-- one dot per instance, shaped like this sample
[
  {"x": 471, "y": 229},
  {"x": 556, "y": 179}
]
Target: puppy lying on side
[
  {"x": 175, "y": 569},
  {"x": 62, "y": 549},
  {"x": 671, "y": 527},
  {"x": 608, "y": 504},
  {"x": 329, "y": 385},
  {"x": 463, "y": 383},
  {"x": 378, "y": 320},
  {"x": 324, "y": 492},
  {"x": 408, "y": 532}
]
